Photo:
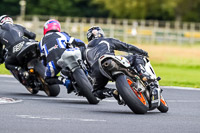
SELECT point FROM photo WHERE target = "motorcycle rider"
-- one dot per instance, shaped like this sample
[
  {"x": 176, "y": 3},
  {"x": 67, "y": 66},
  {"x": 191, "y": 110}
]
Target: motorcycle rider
[
  {"x": 52, "y": 46},
  {"x": 99, "y": 45},
  {"x": 12, "y": 39}
]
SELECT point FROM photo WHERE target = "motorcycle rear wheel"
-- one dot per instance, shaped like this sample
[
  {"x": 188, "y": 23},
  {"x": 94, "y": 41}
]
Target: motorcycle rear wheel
[
  {"x": 137, "y": 102},
  {"x": 84, "y": 86},
  {"x": 50, "y": 90},
  {"x": 31, "y": 90}
]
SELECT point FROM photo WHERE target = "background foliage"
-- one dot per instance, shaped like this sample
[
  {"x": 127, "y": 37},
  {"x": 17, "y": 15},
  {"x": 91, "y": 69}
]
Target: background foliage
[{"x": 185, "y": 10}]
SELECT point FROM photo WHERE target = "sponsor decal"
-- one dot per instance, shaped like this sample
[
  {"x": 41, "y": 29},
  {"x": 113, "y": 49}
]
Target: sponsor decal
[
  {"x": 54, "y": 47},
  {"x": 18, "y": 47}
]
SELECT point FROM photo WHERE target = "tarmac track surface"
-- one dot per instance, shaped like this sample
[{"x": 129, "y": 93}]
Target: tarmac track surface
[{"x": 67, "y": 113}]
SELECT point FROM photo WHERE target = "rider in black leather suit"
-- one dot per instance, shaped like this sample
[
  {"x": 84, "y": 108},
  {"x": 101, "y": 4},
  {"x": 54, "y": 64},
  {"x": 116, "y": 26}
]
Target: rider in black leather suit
[
  {"x": 12, "y": 39},
  {"x": 98, "y": 46}
]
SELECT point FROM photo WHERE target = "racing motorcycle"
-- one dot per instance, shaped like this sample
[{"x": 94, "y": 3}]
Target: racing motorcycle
[
  {"x": 33, "y": 77},
  {"x": 140, "y": 96},
  {"x": 75, "y": 70}
]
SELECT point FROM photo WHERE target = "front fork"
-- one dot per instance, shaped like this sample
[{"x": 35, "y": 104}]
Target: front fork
[
  {"x": 155, "y": 97},
  {"x": 152, "y": 91}
]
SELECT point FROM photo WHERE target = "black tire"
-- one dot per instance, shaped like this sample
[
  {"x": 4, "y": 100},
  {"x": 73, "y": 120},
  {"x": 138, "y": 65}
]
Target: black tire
[
  {"x": 54, "y": 90},
  {"x": 85, "y": 86},
  {"x": 130, "y": 97},
  {"x": 50, "y": 90},
  {"x": 163, "y": 106}
]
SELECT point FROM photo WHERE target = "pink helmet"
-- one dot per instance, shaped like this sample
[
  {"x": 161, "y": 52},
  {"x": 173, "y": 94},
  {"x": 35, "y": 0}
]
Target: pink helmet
[
  {"x": 52, "y": 24},
  {"x": 5, "y": 19}
]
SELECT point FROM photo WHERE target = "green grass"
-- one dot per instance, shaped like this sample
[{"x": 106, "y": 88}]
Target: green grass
[
  {"x": 178, "y": 75},
  {"x": 3, "y": 70}
]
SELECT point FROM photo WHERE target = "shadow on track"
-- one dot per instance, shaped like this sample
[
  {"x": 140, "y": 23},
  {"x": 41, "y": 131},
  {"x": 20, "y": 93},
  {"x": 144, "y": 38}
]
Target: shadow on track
[
  {"x": 24, "y": 94},
  {"x": 126, "y": 112},
  {"x": 59, "y": 101}
]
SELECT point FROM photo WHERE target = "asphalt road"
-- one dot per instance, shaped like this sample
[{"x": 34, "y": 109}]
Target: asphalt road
[{"x": 68, "y": 113}]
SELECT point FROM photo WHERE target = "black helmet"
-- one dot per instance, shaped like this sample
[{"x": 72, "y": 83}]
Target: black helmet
[
  {"x": 94, "y": 32},
  {"x": 5, "y": 19}
]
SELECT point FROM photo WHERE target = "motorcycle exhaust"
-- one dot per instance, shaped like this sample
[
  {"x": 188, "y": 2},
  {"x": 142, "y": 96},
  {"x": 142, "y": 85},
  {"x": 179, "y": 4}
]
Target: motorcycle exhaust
[{"x": 110, "y": 65}]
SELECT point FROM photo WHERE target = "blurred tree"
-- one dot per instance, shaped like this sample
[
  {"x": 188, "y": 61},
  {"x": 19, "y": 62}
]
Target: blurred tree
[
  {"x": 160, "y": 9},
  {"x": 186, "y": 10},
  {"x": 81, "y": 8},
  {"x": 140, "y": 9},
  {"x": 124, "y": 8},
  {"x": 10, "y": 7}
]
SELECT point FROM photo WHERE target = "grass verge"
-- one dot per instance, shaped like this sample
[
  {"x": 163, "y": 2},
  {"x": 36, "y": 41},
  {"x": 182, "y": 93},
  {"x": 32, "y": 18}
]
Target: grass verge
[
  {"x": 3, "y": 70},
  {"x": 178, "y": 75}
]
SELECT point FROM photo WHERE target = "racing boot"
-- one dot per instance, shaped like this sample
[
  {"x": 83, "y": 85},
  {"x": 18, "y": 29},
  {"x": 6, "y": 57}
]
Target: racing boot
[
  {"x": 67, "y": 83},
  {"x": 108, "y": 92},
  {"x": 102, "y": 94},
  {"x": 115, "y": 94}
]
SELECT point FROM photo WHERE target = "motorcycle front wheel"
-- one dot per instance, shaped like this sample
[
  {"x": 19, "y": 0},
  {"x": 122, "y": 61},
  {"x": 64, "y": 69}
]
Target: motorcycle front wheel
[
  {"x": 163, "y": 105},
  {"x": 84, "y": 86},
  {"x": 137, "y": 102}
]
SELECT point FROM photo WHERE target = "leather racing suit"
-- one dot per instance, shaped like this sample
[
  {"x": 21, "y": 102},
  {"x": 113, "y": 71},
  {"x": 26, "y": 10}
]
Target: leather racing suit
[
  {"x": 100, "y": 46},
  {"x": 12, "y": 39},
  {"x": 52, "y": 46}
]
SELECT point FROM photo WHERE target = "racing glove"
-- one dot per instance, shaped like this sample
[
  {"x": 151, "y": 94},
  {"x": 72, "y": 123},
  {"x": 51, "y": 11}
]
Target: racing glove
[{"x": 145, "y": 53}]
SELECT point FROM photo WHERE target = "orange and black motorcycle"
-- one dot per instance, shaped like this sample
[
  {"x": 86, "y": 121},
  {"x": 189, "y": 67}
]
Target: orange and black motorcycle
[{"x": 140, "y": 96}]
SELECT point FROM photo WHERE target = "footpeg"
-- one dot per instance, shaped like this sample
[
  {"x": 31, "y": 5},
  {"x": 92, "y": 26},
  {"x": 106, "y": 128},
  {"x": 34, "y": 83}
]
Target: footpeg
[{"x": 158, "y": 78}]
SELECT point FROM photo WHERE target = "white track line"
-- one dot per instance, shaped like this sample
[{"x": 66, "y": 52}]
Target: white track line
[{"x": 53, "y": 118}]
